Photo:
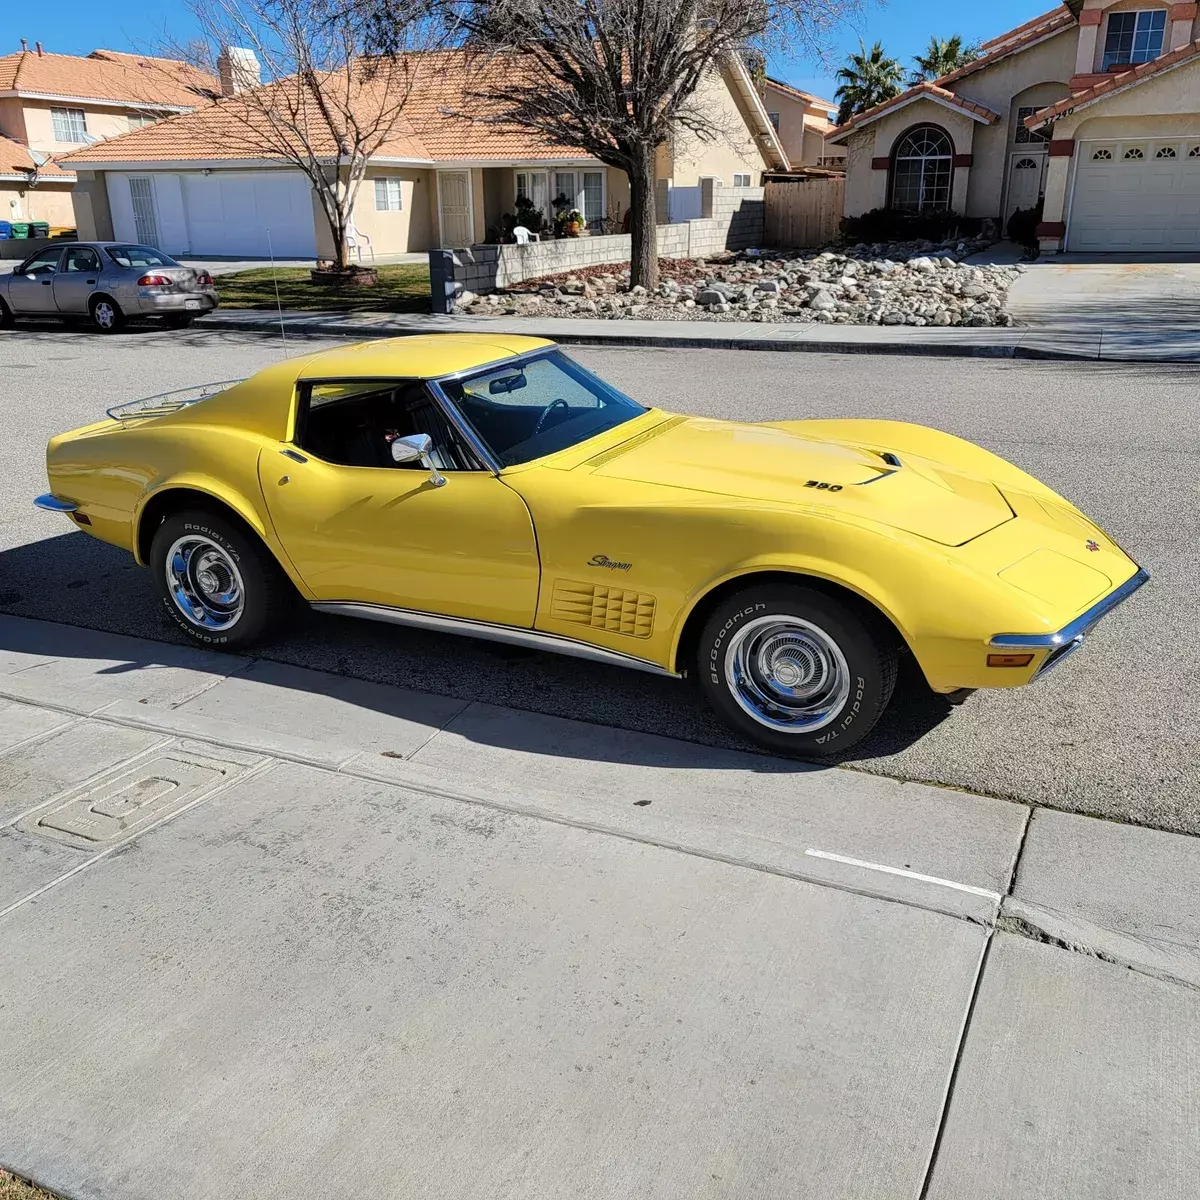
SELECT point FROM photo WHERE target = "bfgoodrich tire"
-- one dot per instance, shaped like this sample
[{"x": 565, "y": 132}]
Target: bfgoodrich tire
[
  {"x": 217, "y": 582},
  {"x": 796, "y": 670}
]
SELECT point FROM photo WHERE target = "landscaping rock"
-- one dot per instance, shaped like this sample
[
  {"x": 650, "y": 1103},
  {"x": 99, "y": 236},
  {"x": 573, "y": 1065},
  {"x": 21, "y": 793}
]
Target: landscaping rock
[{"x": 905, "y": 283}]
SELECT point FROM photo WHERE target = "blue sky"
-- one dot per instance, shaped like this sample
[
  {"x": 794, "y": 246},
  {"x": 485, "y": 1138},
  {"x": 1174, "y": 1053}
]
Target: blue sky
[{"x": 904, "y": 27}]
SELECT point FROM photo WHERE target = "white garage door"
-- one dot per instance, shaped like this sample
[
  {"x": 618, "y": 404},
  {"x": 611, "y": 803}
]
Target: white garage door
[
  {"x": 231, "y": 212},
  {"x": 225, "y": 213},
  {"x": 1136, "y": 195}
]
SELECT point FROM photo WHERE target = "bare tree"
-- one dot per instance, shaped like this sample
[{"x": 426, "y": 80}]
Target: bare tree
[
  {"x": 298, "y": 86},
  {"x": 616, "y": 78}
]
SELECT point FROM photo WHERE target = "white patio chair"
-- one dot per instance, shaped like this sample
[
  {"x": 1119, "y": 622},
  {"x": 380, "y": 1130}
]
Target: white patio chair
[
  {"x": 355, "y": 240},
  {"x": 524, "y": 235}
]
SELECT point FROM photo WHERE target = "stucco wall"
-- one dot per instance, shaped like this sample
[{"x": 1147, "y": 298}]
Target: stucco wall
[
  {"x": 12, "y": 118},
  {"x": 93, "y": 218},
  {"x": 46, "y": 202},
  {"x": 1167, "y": 103},
  {"x": 396, "y": 232},
  {"x": 101, "y": 123},
  {"x": 731, "y": 150},
  {"x": 797, "y": 142}
]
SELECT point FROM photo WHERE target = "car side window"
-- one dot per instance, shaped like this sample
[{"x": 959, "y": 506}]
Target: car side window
[
  {"x": 83, "y": 258},
  {"x": 44, "y": 263},
  {"x": 353, "y": 423}
]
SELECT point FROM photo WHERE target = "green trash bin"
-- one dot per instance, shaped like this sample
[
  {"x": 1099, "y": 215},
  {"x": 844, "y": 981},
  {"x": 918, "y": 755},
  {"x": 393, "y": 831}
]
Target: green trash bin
[
  {"x": 20, "y": 229},
  {"x": 39, "y": 229}
]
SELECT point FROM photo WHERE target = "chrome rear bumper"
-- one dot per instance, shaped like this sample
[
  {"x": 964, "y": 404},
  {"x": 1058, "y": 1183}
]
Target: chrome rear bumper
[
  {"x": 1068, "y": 639},
  {"x": 53, "y": 503}
]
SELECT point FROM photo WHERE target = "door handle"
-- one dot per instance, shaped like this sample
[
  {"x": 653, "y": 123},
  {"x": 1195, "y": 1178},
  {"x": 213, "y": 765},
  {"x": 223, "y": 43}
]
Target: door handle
[
  {"x": 91, "y": 281},
  {"x": 293, "y": 456},
  {"x": 47, "y": 282}
]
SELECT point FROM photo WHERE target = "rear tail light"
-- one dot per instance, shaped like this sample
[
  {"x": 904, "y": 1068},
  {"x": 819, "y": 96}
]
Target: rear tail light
[
  {"x": 204, "y": 279},
  {"x": 154, "y": 281}
]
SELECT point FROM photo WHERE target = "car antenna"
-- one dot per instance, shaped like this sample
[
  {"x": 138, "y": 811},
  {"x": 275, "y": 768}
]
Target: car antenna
[{"x": 275, "y": 280}]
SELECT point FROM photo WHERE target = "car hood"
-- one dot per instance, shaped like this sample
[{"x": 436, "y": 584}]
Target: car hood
[{"x": 764, "y": 463}]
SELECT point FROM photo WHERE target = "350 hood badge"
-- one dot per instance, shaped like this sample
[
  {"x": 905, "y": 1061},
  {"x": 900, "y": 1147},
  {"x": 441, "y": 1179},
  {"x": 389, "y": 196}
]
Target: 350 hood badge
[{"x": 602, "y": 560}]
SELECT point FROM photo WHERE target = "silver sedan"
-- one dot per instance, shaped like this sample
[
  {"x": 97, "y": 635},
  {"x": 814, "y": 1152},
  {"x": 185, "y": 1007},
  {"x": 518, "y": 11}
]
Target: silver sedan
[{"x": 108, "y": 283}]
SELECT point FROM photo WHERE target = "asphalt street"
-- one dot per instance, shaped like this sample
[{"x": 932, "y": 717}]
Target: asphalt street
[{"x": 1114, "y": 732}]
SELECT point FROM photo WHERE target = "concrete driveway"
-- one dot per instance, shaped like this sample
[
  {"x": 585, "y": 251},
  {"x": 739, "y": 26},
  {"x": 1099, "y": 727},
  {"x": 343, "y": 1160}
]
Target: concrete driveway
[{"x": 1143, "y": 305}]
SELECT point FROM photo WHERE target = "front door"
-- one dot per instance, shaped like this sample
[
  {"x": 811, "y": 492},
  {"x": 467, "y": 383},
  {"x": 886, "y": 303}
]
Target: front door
[
  {"x": 1026, "y": 181},
  {"x": 77, "y": 280},
  {"x": 454, "y": 207},
  {"x": 358, "y": 527},
  {"x": 31, "y": 288}
]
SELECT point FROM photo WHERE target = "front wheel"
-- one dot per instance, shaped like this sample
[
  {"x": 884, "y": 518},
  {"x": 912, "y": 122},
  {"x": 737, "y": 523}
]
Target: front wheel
[
  {"x": 795, "y": 670},
  {"x": 6, "y": 317},
  {"x": 217, "y": 582},
  {"x": 106, "y": 315}
]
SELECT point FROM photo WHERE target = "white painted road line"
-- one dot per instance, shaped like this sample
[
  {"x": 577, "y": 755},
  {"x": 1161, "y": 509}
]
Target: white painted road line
[{"x": 870, "y": 866}]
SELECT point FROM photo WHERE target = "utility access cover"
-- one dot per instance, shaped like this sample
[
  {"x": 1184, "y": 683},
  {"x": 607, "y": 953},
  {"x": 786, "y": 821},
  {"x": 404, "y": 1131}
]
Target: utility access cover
[{"x": 102, "y": 813}]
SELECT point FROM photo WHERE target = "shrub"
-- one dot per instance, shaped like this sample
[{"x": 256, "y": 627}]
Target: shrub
[
  {"x": 1022, "y": 226},
  {"x": 898, "y": 225}
]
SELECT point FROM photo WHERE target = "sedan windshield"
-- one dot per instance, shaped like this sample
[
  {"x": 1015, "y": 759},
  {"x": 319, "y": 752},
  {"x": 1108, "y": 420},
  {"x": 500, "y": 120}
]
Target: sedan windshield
[
  {"x": 537, "y": 406},
  {"x": 139, "y": 256}
]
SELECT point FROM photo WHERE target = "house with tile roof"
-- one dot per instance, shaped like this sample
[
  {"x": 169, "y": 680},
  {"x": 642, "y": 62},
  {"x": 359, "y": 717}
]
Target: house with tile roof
[
  {"x": 198, "y": 183},
  {"x": 804, "y": 123},
  {"x": 53, "y": 103},
  {"x": 1090, "y": 111}
]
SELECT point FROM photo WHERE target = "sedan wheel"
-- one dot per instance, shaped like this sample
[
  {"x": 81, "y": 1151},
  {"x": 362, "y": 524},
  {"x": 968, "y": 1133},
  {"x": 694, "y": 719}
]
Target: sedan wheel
[
  {"x": 106, "y": 315},
  {"x": 795, "y": 669}
]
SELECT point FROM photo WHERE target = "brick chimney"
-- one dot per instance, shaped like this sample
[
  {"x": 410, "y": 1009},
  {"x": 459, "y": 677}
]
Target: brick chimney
[{"x": 239, "y": 70}]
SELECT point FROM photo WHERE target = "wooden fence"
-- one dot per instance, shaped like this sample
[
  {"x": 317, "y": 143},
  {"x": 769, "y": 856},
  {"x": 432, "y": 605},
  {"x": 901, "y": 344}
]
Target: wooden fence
[{"x": 804, "y": 212}]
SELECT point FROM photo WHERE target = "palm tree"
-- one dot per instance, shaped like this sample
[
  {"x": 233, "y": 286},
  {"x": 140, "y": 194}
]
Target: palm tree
[
  {"x": 942, "y": 57},
  {"x": 867, "y": 79}
]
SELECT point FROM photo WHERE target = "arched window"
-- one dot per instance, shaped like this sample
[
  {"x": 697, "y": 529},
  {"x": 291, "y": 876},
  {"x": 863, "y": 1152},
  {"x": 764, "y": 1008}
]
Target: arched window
[
  {"x": 1102, "y": 156},
  {"x": 1134, "y": 152},
  {"x": 1026, "y": 164},
  {"x": 1165, "y": 152},
  {"x": 922, "y": 166}
]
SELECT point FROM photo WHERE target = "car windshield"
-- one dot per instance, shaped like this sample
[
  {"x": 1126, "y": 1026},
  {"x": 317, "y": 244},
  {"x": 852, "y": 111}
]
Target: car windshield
[
  {"x": 537, "y": 406},
  {"x": 139, "y": 256}
]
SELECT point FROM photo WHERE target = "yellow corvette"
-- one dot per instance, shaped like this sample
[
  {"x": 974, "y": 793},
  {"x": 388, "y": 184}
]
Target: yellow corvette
[{"x": 489, "y": 485}]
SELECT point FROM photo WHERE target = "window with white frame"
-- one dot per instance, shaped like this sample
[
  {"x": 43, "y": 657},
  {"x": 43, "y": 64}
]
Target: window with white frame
[
  {"x": 388, "y": 197},
  {"x": 1024, "y": 136},
  {"x": 1134, "y": 37},
  {"x": 774, "y": 119},
  {"x": 593, "y": 196},
  {"x": 740, "y": 180},
  {"x": 141, "y": 120},
  {"x": 70, "y": 124},
  {"x": 583, "y": 191}
]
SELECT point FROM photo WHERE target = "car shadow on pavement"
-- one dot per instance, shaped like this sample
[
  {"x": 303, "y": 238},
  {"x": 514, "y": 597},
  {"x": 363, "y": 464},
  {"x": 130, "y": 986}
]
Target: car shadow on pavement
[{"x": 78, "y": 581}]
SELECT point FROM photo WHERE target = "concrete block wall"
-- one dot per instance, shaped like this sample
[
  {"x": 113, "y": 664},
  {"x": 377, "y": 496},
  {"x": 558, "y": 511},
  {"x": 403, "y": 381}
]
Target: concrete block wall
[{"x": 733, "y": 219}]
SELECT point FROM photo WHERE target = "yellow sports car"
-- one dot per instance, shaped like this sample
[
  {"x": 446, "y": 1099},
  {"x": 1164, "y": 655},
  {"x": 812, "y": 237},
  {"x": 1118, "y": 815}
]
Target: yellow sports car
[{"x": 489, "y": 485}]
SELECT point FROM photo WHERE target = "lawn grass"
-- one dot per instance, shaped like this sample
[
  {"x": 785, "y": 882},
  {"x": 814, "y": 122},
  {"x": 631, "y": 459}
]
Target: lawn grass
[
  {"x": 12, "y": 1188},
  {"x": 402, "y": 287}
]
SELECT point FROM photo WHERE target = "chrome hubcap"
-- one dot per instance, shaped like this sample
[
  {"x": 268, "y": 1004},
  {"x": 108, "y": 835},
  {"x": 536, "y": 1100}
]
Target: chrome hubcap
[
  {"x": 787, "y": 674},
  {"x": 204, "y": 583},
  {"x": 104, "y": 315}
]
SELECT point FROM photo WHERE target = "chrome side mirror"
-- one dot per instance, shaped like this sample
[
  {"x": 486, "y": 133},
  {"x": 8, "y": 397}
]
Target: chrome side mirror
[{"x": 418, "y": 447}]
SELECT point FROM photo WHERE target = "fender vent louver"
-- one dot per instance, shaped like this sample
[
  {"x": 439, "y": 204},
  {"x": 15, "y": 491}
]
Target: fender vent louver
[{"x": 601, "y": 607}]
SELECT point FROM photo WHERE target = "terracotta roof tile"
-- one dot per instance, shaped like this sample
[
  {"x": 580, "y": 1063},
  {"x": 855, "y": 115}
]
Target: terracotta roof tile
[
  {"x": 15, "y": 160},
  {"x": 807, "y": 97},
  {"x": 1116, "y": 82},
  {"x": 107, "y": 75},
  {"x": 1059, "y": 20},
  {"x": 432, "y": 128},
  {"x": 915, "y": 93},
  {"x": 1026, "y": 28}
]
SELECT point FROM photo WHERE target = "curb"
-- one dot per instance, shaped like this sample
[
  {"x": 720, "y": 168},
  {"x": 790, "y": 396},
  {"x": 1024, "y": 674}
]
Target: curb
[{"x": 667, "y": 341}]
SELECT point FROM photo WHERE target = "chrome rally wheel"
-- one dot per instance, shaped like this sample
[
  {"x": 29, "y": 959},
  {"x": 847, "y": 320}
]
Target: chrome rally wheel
[
  {"x": 787, "y": 673},
  {"x": 797, "y": 669},
  {"x": 217, "y": 581},
  {"x": 205, "y": 583}
]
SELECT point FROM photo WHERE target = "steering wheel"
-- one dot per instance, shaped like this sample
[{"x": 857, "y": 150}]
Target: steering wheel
[{"x": 559, "y": 403}]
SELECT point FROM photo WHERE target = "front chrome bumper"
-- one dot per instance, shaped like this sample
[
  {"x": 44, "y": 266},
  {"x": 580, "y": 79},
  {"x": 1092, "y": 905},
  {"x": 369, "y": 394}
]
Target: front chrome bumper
[{"x": 1068, "y": 639}]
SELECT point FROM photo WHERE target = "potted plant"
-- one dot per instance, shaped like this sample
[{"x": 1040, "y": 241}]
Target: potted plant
[{"x": 573, "y": 223}]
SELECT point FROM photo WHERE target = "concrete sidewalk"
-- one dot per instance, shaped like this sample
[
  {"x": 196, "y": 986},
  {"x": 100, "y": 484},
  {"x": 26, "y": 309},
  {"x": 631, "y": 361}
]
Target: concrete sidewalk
[
  {"x": 270, "y": 932},
  {"x": 1080, "y": 341}
]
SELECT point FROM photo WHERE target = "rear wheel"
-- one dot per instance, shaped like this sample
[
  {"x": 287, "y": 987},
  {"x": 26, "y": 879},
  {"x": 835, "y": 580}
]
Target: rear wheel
[
  {"x": 217, "y": 582},
  {"x": 106, "y": 315},
  {"x": 795, "y": 670}
]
